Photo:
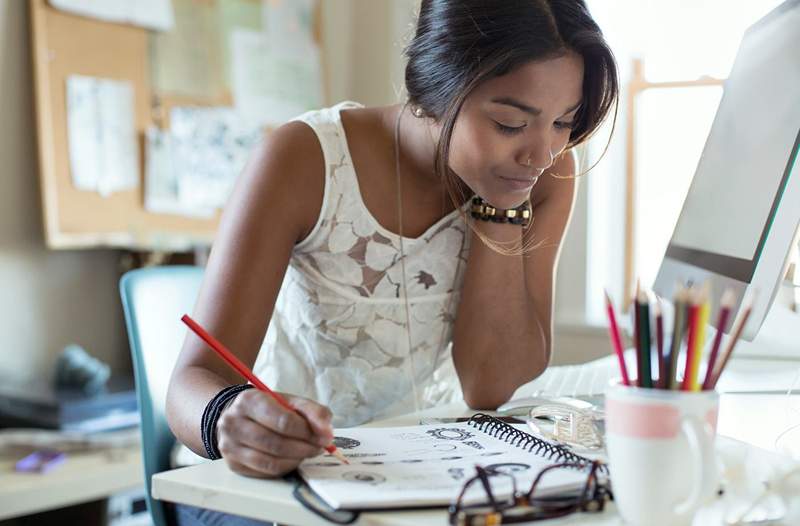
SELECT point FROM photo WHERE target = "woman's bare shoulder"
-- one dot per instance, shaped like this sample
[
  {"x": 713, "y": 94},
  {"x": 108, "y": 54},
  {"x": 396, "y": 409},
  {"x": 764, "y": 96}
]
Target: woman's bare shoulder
[{"x": 287, "y": 173}]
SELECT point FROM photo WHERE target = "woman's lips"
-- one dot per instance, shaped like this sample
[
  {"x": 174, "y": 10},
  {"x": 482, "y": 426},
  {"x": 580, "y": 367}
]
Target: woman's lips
[{"x": 519, "y": 183}]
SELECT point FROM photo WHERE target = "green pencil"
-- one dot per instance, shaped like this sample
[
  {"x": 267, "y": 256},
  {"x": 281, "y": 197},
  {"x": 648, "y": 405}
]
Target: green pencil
[{"x": 643, "y": 311}]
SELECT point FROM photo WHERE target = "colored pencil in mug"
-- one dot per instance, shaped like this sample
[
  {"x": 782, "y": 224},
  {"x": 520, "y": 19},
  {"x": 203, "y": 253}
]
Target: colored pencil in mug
[
  {"x": 243, "y": 370},
  {"x": 678, "y": 330},
  {"x": 616, "y": 340},
  {"x": 700, "y": 342},
  {"x": 643, "y": 315},
  {"x": 726, "y": 354},
  {"x": 662, "y": 366},
  {"x": 726, "y": 304},
  {"x": 637, "y": 354},
  {"x": 691, "y": 340}
]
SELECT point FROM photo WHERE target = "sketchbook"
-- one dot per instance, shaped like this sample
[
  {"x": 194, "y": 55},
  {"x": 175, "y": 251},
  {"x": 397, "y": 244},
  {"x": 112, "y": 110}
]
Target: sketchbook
[{"x": 427, "y": 465}]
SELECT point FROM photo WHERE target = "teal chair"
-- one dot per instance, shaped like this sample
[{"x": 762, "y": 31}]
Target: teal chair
[{"x": 154, "y": 299}]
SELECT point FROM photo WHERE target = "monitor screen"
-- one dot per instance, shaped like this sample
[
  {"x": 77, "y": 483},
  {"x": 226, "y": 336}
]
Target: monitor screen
[{"x": 748, "y": 155}]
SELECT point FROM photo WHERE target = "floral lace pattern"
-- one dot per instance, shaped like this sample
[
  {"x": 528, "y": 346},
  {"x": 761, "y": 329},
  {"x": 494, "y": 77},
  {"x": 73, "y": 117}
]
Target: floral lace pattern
[{"x": 338, "y": 333}]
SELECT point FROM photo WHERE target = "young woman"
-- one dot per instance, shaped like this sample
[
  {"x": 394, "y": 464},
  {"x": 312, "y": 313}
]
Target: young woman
[{"x": 349, "y": 271}]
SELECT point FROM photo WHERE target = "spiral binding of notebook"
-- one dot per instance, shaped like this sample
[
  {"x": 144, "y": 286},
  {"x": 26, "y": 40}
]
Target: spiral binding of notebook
[{"x": 508, "y": 433}]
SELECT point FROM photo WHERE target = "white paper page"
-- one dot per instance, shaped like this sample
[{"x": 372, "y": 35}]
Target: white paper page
[
  {"x": 152, "y": 14},
  {"x": 421, "y": 465},
  {"x": 104, "y": 154},
  {"x": 161, "y": 192},
  {"x": 289, "y": 25},
  {"x": 210, "y": 148},
  {"x": 270, "y": 83}
]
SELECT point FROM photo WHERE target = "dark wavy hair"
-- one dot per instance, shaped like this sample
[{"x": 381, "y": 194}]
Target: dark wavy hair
[{"x": 458, "y": 44}]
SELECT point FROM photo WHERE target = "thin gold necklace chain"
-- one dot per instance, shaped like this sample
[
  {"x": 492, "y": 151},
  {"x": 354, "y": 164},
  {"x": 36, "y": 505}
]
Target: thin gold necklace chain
[{"x": 403, "y": 266}]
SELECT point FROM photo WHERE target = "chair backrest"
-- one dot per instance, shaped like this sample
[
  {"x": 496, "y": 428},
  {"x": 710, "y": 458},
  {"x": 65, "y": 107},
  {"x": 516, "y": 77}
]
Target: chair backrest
[{"x": 154, "y": 299}]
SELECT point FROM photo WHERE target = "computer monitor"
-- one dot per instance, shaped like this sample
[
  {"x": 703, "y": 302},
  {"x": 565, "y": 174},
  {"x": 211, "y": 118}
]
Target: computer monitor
[{"x": 740, "y": 218}]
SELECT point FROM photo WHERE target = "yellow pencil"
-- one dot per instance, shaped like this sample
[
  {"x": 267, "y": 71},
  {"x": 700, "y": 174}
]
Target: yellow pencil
[{"x": 705, "y": 312}]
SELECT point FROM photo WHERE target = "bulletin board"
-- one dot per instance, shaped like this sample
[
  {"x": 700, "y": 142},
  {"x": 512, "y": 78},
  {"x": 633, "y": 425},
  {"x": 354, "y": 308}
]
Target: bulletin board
[{"x": 65, "y": 44}]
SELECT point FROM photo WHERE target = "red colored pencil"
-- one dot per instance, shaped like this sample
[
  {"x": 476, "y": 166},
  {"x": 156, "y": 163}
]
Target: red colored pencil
[
  {"x": 243, "y": 370},
  {"x": 722, "y": 321},
  {"x": 616, "y": 340},
  {"x": 691, "y": 336},
  {"x": 731, "y": 344}
]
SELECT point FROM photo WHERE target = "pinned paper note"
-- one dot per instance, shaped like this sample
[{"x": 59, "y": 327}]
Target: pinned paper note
[
  {"x": 152, "y": 14},
  {"x": 210, "y": 148},
  {"x": 270, "y": 83},
  {"x": 161, "y": 187},
  {"x": 103, "y": 151}
]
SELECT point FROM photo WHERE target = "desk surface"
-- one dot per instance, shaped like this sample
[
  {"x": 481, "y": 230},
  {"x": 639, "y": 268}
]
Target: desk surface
[
  {"x": 83, "y": 477},
  {"x": 212, "y": 485},
  {"x": 755, "y": 419}
]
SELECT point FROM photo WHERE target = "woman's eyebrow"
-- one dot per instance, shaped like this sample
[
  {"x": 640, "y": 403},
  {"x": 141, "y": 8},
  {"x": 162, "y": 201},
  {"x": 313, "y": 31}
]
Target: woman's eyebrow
[{"x": 510, "y": 101}]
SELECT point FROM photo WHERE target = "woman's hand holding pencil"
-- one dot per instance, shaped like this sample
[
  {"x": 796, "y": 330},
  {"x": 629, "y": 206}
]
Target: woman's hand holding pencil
[{"x": 263, "y": 433}]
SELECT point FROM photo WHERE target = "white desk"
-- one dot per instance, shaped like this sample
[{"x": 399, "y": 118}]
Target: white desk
[
  {"x": 212, "y": 485},
  {"x": 83, "y": 477}
]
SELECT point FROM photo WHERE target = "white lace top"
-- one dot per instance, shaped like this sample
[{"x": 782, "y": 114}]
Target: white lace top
[{"x": 338, "y": 331}]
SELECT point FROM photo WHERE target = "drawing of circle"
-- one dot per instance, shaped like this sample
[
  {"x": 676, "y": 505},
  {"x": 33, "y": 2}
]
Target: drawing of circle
[
  {"x": 508, "y": 467},
  {"x": 363, "y": 476},
  {"x": 450, "y": 433},
  {"x": 345, "y": 443}
]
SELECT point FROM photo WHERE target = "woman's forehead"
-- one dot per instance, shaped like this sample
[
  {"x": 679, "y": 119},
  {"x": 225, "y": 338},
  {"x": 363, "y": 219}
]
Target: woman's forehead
[{"x": 551, "y": 85}]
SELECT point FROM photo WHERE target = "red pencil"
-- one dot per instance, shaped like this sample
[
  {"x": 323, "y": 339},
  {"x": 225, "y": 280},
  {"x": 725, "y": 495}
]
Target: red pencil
[
  {"x": 616, "y": 340},
  {"x": 243, "y": 370},
  {"x": 737, "y": 332},
  {"x": 724, "y": 313},
  {"x": 691, "y": 336}
]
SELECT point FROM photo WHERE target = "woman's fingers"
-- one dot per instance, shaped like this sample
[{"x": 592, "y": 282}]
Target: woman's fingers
[
  {"x": 267, "y": 412},
  {"x": 257, "y": 437},
  {"x": 318, "y": 417},
  {"x": 254, "y": 463}
]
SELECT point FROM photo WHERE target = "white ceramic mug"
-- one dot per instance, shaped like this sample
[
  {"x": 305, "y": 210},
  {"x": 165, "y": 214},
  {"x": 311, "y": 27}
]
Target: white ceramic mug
[{"x": 661, "y": 453}]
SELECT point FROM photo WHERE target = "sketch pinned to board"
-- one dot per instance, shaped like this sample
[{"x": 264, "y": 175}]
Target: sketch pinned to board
[
  {"x": 211, "y": 147},
  {"x": 161, "y": 185},
  {"x": 191, "y": 168},
  {"x": 103, "y": 150}
]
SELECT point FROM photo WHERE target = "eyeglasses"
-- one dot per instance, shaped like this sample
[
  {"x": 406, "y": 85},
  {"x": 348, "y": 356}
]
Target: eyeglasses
[{"x": 501, "y": 507}]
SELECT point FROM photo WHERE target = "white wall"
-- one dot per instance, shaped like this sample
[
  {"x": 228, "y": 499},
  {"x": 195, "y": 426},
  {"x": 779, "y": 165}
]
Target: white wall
[{"x": 47, "y": 299}]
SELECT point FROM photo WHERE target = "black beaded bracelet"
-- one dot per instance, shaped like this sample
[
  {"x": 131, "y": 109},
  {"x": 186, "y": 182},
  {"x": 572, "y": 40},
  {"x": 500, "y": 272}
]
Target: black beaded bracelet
[
  {"x": 482, "y": 210},
  {"x": 208, "y": 423}
]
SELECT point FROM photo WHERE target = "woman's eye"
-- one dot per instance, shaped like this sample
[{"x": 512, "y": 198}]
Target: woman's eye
[
  {"x": 564, "y": 125},
  {"x": 508, "y": 130}
]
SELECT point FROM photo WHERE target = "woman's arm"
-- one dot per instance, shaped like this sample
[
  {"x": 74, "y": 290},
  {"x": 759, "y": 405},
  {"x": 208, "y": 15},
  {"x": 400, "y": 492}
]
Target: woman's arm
[
  {"x": 275, "y": 203},
  {"x": 503, "y": 330}
]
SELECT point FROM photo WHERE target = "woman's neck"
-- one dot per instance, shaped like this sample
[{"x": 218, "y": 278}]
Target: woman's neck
[{"x": 417, "y": 143}]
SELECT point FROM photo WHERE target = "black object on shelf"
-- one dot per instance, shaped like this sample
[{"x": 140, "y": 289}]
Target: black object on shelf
[{"x": 44, "y": 406}]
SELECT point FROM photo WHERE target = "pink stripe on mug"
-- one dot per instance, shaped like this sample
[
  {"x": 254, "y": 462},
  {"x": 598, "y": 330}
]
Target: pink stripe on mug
[{"x": 641, "y": 420}]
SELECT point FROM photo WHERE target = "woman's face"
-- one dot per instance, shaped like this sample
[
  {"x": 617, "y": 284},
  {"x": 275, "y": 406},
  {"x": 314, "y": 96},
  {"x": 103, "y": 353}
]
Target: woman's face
[{"x": 511, "y": 128}]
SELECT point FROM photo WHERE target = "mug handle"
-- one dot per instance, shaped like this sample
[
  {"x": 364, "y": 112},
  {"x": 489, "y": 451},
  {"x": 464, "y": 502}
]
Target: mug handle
[{"x": 703, "y": 462}]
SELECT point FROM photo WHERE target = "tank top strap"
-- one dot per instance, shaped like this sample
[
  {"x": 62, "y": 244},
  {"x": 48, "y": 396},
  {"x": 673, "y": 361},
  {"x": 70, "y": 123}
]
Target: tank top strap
[{"x": 339, "y": 174}]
